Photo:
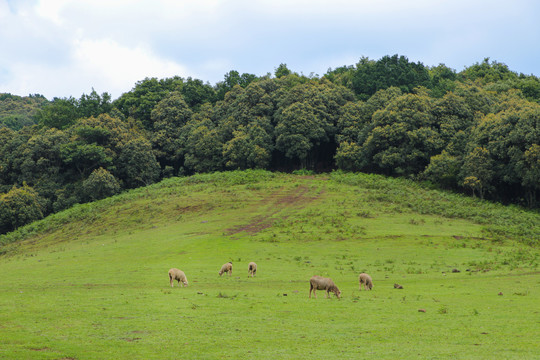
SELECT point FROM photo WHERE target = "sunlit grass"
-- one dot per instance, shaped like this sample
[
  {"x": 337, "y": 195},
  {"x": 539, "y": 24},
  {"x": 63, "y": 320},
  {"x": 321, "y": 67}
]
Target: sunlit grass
[{"x": 91, "y": 283}]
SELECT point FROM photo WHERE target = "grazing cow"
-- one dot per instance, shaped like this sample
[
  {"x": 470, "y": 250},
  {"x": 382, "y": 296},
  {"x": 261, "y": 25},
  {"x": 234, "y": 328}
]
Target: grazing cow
[
  {"x": 322, "y": 283},
  {"x": 252, "y": 269},
  {"x": 226, "y": 268},
  {"x": 176, "y": 274},
  {"x": 365, "y": 279}
]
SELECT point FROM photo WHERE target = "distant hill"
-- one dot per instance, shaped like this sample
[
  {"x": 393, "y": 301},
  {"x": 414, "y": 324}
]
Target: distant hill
[{"x": 17, "y": 112}]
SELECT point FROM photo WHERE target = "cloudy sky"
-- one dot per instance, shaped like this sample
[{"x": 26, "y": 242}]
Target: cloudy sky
[{"x": 62, "y": 48}]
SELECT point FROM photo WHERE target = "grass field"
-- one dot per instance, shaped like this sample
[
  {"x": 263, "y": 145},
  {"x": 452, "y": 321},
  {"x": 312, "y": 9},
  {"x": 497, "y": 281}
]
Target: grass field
[{"x": 91, "y": 283}]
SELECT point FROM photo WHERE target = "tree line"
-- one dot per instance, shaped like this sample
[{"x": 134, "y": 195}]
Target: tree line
[{"x": 475, "y": 131}]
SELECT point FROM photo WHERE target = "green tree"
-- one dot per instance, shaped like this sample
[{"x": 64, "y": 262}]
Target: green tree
[
  {"x": 455, "y": 121},
  {"x": 355, "y": 125},
  {"x": 169, "y": 117},
  {"x": 59, "y": 113},
  {"x": 477, "y": 171},
  {"x": 342, "y": 75},
  {"x": 487, "y": 71},
  {"x": 137, "y": 164},
  {"x": 349, "y": 156},
  {"x": 8, "y": 148},
  {"x": 249, "y": 148},
  {"x": 19, "y": 111},
  {"x": 242, "y": 107},
  {"x": 531, "y": 174},
  {"x": 100, "y": 184},
  {"x": 479, "y": 101},
  {"x": 231, "y": 79},
  {"x": 507, "y": 135},
  {"x": 94, "y": 104},
  {"x": 371, "y": 76},
  {"x": 443, "y": 169},
  {"x": 404, "y": 137},
  {"x": 85, "y": 157},
  {"x": 196, "y": 93},
  {"x": 282, "y": 70},
  {"x": 20, "y": 206},
  {"x": 442, "y": 79},
  {"x": 204, "y": 146},
  {"x": 306, "y": 119},
  {"x": 299, "y": 130},
  {"x": 145, "y": 95}
]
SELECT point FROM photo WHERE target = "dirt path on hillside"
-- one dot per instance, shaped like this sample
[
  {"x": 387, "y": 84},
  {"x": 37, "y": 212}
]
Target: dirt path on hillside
[{"x": 276, "y": 202}]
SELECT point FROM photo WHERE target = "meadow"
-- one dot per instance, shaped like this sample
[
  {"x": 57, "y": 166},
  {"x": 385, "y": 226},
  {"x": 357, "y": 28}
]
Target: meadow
[{"x": 91, "y": 282}]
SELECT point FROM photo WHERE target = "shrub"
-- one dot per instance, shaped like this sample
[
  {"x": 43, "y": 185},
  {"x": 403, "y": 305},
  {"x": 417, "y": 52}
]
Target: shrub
[
  {"x": 18, "y": 207},
  {"x": 100, "y": 184}
]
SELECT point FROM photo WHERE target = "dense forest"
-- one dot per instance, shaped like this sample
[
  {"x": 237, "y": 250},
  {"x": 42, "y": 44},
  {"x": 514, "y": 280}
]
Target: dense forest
[{"x": 475, "y": 131}]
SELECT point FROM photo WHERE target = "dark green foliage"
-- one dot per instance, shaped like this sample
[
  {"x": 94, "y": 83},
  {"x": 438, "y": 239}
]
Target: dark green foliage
[
  {"x": 61, "y": 113},
  {"x": 137, "y": 165},
  {"x": 196, "y": 93},
  {"x": 487, "y": 72},
  {"x": 17, "y": 112},
  {"x": 94, "y": 104},
  {"x": 477, "y": 171},
  {"x": 476, "y": 131},
  {"x": 18, "y": 207},
  {"x": 203, "y": 146},
  {"x": 169, "y": 117},
  {"x": 282, "y": 70},
  {"x": 250, "y": 148},
  {"x": 141, "y": 100},
  {"x": 231, "y": 79},
  {"x": 85, "y": 157},
  {"x": 371, "y": 76},
  {"x": 306, "y": 120},
  {"x": 100, "y": 184}
]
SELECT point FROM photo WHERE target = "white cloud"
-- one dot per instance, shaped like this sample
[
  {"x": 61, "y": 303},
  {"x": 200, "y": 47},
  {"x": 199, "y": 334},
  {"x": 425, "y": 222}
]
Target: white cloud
[
  {"x": 111, "y": 64},
  {"x": 51, "y": 10},
  {"x": 66, "y": 47},
  {"x": 100, "y": 64}
]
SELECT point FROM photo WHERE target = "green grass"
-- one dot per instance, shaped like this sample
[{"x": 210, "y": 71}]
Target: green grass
[{"x": 91, "y": 282}]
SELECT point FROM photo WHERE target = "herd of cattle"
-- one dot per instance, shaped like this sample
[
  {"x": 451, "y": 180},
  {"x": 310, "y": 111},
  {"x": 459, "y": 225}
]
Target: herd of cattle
[{"x": 315, "y": 283}]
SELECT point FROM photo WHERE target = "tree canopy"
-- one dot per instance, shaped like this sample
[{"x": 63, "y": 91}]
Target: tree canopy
[{"x": 475, "y": 131}]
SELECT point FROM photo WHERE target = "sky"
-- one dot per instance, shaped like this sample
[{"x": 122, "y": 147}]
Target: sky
[{"x": 63, "y": 48}]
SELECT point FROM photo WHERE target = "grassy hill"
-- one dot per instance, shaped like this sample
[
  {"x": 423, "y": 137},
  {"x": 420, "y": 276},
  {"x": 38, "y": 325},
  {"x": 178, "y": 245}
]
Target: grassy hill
[{"x": 91, "y": 282}]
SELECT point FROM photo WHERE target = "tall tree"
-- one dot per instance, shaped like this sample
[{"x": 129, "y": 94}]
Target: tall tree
[
  {"x": 403, "y": 138},
  {"x": 141, "y": 100},
  {"x": 371, "y": 76},
  {"x": 169, "y": 117},
  {"x": 477, "y": 171},
  {"x": 530, "y": 169},
  {"x": 59, "y": 113},
  {"x": 306, "y": 121},
  {"x": 137, "y": 164},
  {"x": 204, "y": 146}
]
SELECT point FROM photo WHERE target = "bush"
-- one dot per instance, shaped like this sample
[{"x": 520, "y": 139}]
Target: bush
[
  {"x": 100, "y": 184},
  {"x": 18, "y": 207}
]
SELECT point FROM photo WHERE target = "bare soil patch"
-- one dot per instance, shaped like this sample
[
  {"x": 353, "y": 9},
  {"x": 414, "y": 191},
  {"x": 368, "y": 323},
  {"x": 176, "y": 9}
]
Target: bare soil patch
[{"x": 276, "y": 203}]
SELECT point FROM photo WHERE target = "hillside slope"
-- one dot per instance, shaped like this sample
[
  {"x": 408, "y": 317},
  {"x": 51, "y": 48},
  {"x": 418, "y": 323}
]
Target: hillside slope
[{"x": 91, "y": 282}]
